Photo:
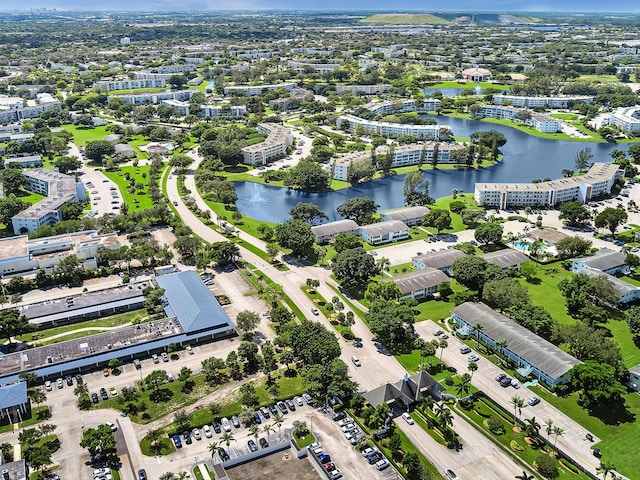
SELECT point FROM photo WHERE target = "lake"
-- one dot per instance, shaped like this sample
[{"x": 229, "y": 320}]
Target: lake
[{"x": 525, "y": 157}]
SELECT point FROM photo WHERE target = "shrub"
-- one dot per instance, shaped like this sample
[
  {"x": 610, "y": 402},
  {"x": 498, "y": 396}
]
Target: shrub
[
  {"x": 482, "y": 410},
  {"x": 516, "y": 446},
  {"x": 546, "y": 466},
  {"x": 495, "y": 426}
]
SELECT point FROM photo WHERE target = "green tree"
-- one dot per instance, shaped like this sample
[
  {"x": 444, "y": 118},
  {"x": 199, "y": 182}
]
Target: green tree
[
  {"x": 10, "y": 206},
  {"x": 247, "y": 321},
  {"x": 611, "y": 218},
  {"x": 598, "y": 385},
  {"x": 469, "y": 271},
  {"x": 97, "y": 150},
  {"x": 99, "y": 440},
  {"x": 68, "y": 164},
  {"x": 13, "y": 323},
  {"x": 361, "y": 170},
  {"x": 39, "y": 456},
  {"x": 573, "y": 247},
  {"x": 528, "y": 270},
  {"x": 416, "y": 189},
  {"x": 575, "y": 213},
  {"x": 295, "y": 235},
  {"x": 488, "y": 232},
  {"x": 308, "y": 212},
  {"x": 312, "y": 343},
  {"x": 392, "y": 323},
  {"x": 504, "y": 293},
  {"x": 13, "y": 180},
  {"x": 438, "y": 219},
  {"x": 547, "y": 466},
  {"x": 354, "y": 268},
  {"x": 582, "y": 159},
  {"x": 346, "y": 241},
  {"x": 359, "y": 209},
  {"x": 223, "y": 253},
  {"x": 605, "y": 467},
  {"x": 382, "y": 290},
  {"x": 307, "y": 176}
]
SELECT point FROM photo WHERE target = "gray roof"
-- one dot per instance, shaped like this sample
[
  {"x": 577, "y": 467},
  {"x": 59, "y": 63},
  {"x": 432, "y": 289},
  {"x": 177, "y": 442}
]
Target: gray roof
[
  {"x": 413, "y": 281},
  {"x": 192, "y": 303},
  {"x": 440, "y": 259},
  {"x": 603, "y": 259},
  {"x": 620, "y": 285},
  {"x": 123, "y": 148},
  {"x": 334, "y": 228},
  {"x": 635, "y": 370},
  {"x": 506, "y": 258},
  {"x": 406, "y": 213},
  {"x": 13, "y": 394},
  {"x": 550, "y": 235},
  {"x": 530, "y": 347},
  {"x": 408, "y": 390},
  {"x": 384, "y": 228}
]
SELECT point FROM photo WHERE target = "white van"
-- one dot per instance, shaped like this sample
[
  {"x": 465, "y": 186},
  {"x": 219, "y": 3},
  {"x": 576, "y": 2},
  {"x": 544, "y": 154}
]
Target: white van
[{"x": 355, "y": 361}]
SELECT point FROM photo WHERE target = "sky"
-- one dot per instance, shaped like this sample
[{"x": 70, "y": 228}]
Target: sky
[{"x": 417, "y": 5}]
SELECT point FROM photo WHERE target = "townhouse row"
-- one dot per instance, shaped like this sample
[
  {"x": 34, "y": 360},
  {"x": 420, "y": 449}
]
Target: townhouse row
[{"x": 388, "y": 129}]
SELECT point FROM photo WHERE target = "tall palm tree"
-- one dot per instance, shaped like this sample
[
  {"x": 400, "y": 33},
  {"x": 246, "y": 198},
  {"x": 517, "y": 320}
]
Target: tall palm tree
[
  {"x": 268, "y": 429},
  {"x": 254, "y": 429},
  {"x": 278, "y": 420},
  {"x": 517, "y": 403},
  {"x": 227, "y": 438},
  {"x": 502, "y": 344},
  {"x": 525, "y": 476},
  {"x": 549, "y": 429},
  {"x": 213, "y": 447},
  {"x": 472, "y": 367},
  {"x": 81, "y": 389},
  {"x": 428, "y": 402},
  {"x": 444, "y": 415},
  {"x": 442, "y": 344},
  {"x": 478, "y": 328},
  {"x": 558, "y": 432},
  {"x": 605, "y": 468},
  {"x": 532, "y": 427}
]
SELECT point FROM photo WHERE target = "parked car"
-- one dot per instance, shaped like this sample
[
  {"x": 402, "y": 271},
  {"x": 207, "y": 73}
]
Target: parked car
[
  {"x": 59, "y": 383},
  {"x": 137, "y": 364},
  {"x": 47, "y": 386},
  {"x": 103, "y": 393},
  {"x": 533, "y": 401},
  {"x": 356, "y": 361},
  {"x": 335, "y": 474},
  {"x": 100, "y": 472},
  {"x": 94, "y": 397},
  {"x": 113, "y": 392},
  {"x": 308, "y": 398},
  {"x": 106, "y": 372},
  {"x": 224, "y": 456},
  {"x": 155, "y": 358},
  {"x": 265, "y": 412},
  {"x": 111, "y": 426},
  {"x": 206, "y": 429},
  {"x": 226, "y": 425},
  {"x": 315, "y": 311},
  {"x": 79, "y": 379},
  {"x": 438, "y": 333},
  {"x": 407, "y": 418},
  {"x": 252, "y": 446},
  {"x": 142, "y": 474},
  {"x": 338, "y": 416},
  {"x": 374, "y": 457},
  {"x": 368, "y": 451},
  {"x": 349, "y": 427},
  {"x": 500, "y": 376},
  {"x": 216, "y": 427},
  {"x": 273, "y": 409},
  {"x": 190, "y": 350},
  {"x": 263, "y": 443},
  {"x": 165, "y": 357},
  {"x": 464, "y": 350},
  {"x": 236, "y": 421},
  {"x": 176, "y": 441},
  {"x": 196, "y": 434},
  {"x": 451, "y": 474},
  {"x": 256, "y": 418},
  {"x": 473, "y": 358},
  {"x": 505, "y": 382},
  {"x": 382, "y": 464},
  {"x": 290, "y": 405},
  {"x": 282, "y": 407},
  {"x": 299, "y": 401},
  {"x": 187, "y": 438}
]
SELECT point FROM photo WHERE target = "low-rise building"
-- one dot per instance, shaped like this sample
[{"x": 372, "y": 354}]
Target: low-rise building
[
  {"x": 26, "y": 161},
  {"x": 384, "y": 232},
  {"x": 535, "y": 356},
  {"x": 552, "y": 101},
  {"x": 420, "y": 284},
  {"x": 539, "y": 121},
  {"x": 275, "y": 146},
  {"x": 128, "y": 84},
  {"x": 604, "y": 260},
  {"x": 58, "y": 188},
  {"x": 476, "y": 74},
  {"x": 326, "y": 232},
  {"x": 6, "y": 131},
  {"x": 156, "y": 98},
  {"x": 403, "y": 105},
  {"x": 410, "y": 216},
  {"x": 388, "y": 129},
  {"x": 625, "y": 292},
  {"x": 364, "y": 89},
  {"x": 223, "y": 110},
  {"x": 292, "y": 102},
  {"x": 506, "y": 258},
  {"x": 252, "y": 90},
  {"x": 15, "y": 406},
  {"x": 300, "y": 67},
  {"x": 20, "y": 256},
  {"x": 441, "y": 260},
  {"x": 626, "y": 119},
  {"x": 596, "y": 182}
]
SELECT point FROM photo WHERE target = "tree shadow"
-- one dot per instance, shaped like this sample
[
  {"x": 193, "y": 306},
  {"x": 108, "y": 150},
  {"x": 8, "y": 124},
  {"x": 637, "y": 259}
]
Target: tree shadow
[
  {"x": 291, "y": 373},
  {"x": 614, "y": 413},
  {"x": 534, "y": 281},
  {"x": 161, "y": 395}
]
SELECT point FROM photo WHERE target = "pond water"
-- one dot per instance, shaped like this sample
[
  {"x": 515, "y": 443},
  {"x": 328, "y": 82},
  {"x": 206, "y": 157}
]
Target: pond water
[{"x": 525, "y": 157}]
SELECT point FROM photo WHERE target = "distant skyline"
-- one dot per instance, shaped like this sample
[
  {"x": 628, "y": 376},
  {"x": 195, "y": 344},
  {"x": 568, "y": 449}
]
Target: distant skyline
[{"x": 630, "y": 6}]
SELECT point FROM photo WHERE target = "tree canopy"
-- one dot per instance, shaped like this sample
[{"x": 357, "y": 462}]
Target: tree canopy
[
  {"x": 488, "y": 232},
  {"x": 307, "y": 176},
  {"x": 354, "y": 268},
  {"x": 313, "y": 343},
  {"x": 392, "y": 323},
  {"x": 359, "y": 209},
  {"x": 574, "y": 213},
  {"x": 308, "y": 212},
  {"x": 295, "y": 235},
  {"x": 438, "y": 219}
]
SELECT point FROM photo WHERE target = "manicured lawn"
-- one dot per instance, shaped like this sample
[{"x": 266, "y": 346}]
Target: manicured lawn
[
  {"x": 139, "y": 200},
  {"x": 543, "y": 290},
  {"x": 401, "y": 269},
  {"x": 246, "y": 224},
  {"x": 321, "y": 303},
  {"x": 619, "y": 435},
  {"x": 456, "y": 220},
  {"x": 83, "y": 135},
  {"x": 462, "y": 84},
  {"x": 598, "y": 78},
  {"x": 621, "y": 334},
  {"x": 437, "y": 310},
  {"x": 406, "y": 19},
  {"x": 305, "y": 441},
  {"x": 29, "y": 197},
  {"x": 564, "y": 116}
]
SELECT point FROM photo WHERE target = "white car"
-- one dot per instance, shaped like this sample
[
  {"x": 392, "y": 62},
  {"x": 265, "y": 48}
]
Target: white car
[
  {"x": 335, "y": 474},
  {"x": 226, "y": 425},
  {"x": 48, "y": 386},
  {"x": 348, "y": 427},
  {"x": 111, "y": 426},
  {"x": 382, "y": 464},
  {"x": 368, "y": 450},
  {"x": 344, "y": 421},
  {"x": 196, "y": 434},
  {"x": 207, "y": 431},
  {"x": 299, "y": 401},
  {"x": 100, "y": 472},
  {"x": 407, "y": 418}
]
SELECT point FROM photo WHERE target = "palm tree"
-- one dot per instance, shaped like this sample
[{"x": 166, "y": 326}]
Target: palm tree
[
  {"x": 517, "y": 403},
  {"x": 428, "y": 402},
  {"x": 525, "y": 476},
  {"x": 444, "y": 415},
  {"x": 254, "y": 429},
  {"x": 278, "y": 420},
  {"x": 549, "y": 429},
  {"x": 463, "y": 387},
  {"x": 558, "y": 432},
  {"x": 153, "y": 436},
  {"x": 442, "y": 344},
  {"x": 268, "y": 429},
  {"x": 532, "y": 427},
  {"x": 472, "y": 367},
  {"x": 478, "y": 327},
  {"x": 605, "y": 468},
  {"x": 383, "y": 264},
  {"x": 213, "y": 447},
  {"x": 227, "y": 438},
  {"x": 502, "y": 344},
  {"x": 81, "y": 389}
]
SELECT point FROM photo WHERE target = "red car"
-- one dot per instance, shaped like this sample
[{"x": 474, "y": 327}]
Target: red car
[{"x": 106, "y": 372}]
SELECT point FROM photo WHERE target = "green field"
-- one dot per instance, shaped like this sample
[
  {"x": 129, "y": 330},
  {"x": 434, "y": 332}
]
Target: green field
[
  {"x": 464, "y": 84},
  {"x": 406, "y": 19},
  {"x": 139, "y": 200},
  {"x": 564, "y": 116},
  {"x": 83, "y": 135},
  {"x": 598, "y": 78},
  {"x": 456, "y": 220}
]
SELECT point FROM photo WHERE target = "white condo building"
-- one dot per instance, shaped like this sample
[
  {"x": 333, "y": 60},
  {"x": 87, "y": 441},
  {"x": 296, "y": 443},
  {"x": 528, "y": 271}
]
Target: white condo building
[
  {"x": 276, "y": 144},
  {"x": 558, "y": 101},
  {"x": 539, "y": 121},
  {"x": 404, "y": 105},
  {"x": 252, "y": 90},
  {"x": 224, "y": 110},
  {"x": 388, "y": 129},
  {"x": 157, "y": 97},
  {"x": 365, "y": 89},
  {"x": 113, "y": 85},
  {"x": 626, "y": 119},
  {"x": 598, "y": 181},
  {"x": 58, "y": 189}
]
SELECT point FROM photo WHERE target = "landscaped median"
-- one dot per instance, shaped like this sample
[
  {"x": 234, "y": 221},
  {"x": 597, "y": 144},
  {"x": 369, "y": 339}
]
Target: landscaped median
[{"x": 331, "y": 310}]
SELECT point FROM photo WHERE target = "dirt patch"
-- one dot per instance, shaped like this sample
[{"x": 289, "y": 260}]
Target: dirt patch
[{"x": 275, "y": 466}]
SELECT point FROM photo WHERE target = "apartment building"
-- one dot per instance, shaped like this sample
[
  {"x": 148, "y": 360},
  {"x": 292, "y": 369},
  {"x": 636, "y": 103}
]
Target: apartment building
[
  {"x": 539, "y": 121},
  {"x": 145, "y": 75},
  {"x": 276, "y": 144},
  {"x": 326, "y": 232},
  {"x": 420, "y": 284},
  {"x": 388, "y": 129},
  {"x": 626, "y": 119},
  {"x": 384, "y": 232},
  {"x": 113, "y": 85},
  {"x": 300, "y": 67},
  {"x": 6, "y": 131},
  {"x": 157, "y": 97},
  {"x": 364, "y": 89},
  {"x": 10, "y": 103},
  {"x": 58, "y": 189},
  {"x": 292, "y": 102},
  {"x": 32, "y": 111},
  {"x": 404, "y": 105},
  {"x": 598, "y": 181},
  {"x": 558, "y": 101},
  {"x": 173, "y": 69},
  {"x": 25, "y": 161},
  {"x": 223, "y": 110},
  {"x": 403, "y": 155},
  {"x": 253, "y": 90},
  {"x": 19, "y": 255},
  {"x": 410, "y": 216}
]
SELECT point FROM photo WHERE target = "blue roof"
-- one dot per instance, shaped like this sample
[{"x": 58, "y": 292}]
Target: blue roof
[
  {"x": 13, "y": 395},
  {"x": 191, "y": 302}
]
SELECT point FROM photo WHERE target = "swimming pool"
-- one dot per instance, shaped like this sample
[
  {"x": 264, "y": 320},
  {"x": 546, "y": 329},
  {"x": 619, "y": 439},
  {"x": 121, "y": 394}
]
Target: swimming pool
[{"x": 522, "y": 245}]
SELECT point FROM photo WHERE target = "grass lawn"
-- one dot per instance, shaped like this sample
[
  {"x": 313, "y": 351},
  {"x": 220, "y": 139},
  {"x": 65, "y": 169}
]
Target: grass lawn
[
  {"x": 456, "y": 220},
  {"x": 401, "y": 269},
  {"x": 565, "y": 116},
  {"x": 406, "y": 19},
  {"x": 319, "y": 300},
  {"x": 83, "y": 135},
  {"x": 30, "y": 421},
  {"x": 437, "y": 310},
  {"x": 29, "y": 197},
  {"x": 304, "y": 441},
  {"x": 619, "y": 436},
  {"x": 598, "y": 78},
  {"x": 140, "y": 199},
  {"x": 543, "y": 290},
  {"x": 463, "y": 84}
]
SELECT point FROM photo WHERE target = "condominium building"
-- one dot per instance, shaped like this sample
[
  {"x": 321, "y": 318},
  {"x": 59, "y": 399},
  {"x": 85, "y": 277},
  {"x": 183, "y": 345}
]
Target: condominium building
[
  {"x": 157, "y": 97},
  {"x": 25, "y": 161},
  {"x": 19, "y": 255},
  {"x": 6, "y": 131},
  {"x": 404, "y": 105},
  {"x": 598, "y": 181},
  {"x": 557, "y": 101},
  {"x": 388, "y": 129},
  {"x": 253, "y": 90},
  {"x": 172, "y": 69},
  {"x": 626, "y": 119},
  {"x": 275, "y": 146},
  {"x": 31, "y": 111},
  {"x": 364, "y": 89},
  {"x": 300, "y": 67},
  {"x": 292, "y": 102},
  {"x": 58, "y": 188},
  {"x": 384, "y": 232},
  {"x": 112, "y": 85},
  {"x": 10, "y": 103},
  {"x": 539, "y": 121},
  {"x": 180, "y": 106},
  {"x": 223, "y": 110},
  {"x": 144, "y": 75},
  {"x": 403, "y": 155}
]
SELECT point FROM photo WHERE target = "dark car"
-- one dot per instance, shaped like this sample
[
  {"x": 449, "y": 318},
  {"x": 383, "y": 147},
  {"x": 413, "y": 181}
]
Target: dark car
[
  {"x": 265, "y": 412},
  {"x": 324, "y": 459},
  {"x": 104, "y": 394},
  {"x": 282, "y": 407},
  {"x": 263, "y": 443},
  {"x": 142, "y": 474},
  {"x": 187, "y": 438},
  {"x": 252, "y": 446},
  {"x": 506, "y": 382},
  {"x": 374, "y": 457},
  {"x": 273, "y": 409},
  {"x": 216, "y": 427},
  {"x": 224, "y": 456},
  {"x": 597, "y": 453},
  {"x": 500, "y": 376},
  {"x": 98, "y": 458},
  {"x": 69, "y": 380},
  {"x": 256, "y": 418},
  {"x": 338, "y": 416},
  {"x": 94, "y": 397},
  {"x": 290, "y": 405},
  {"x": 176, "y": 441},
  {"x": 79, "y": 379}
]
